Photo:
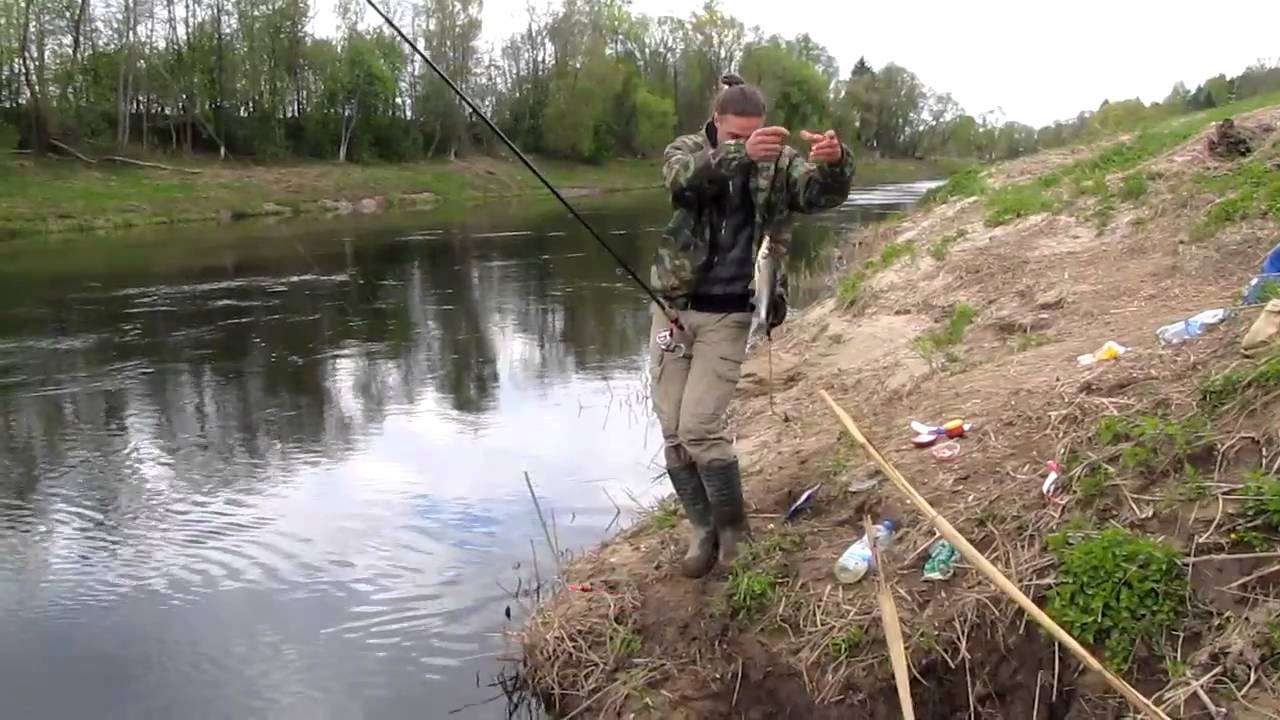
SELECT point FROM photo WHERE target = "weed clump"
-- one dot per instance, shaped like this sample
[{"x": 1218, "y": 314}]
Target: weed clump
[
  {"x": 1115, "y": 590},
  {"x": 950, "y": 334},
  {"x": 850, "y": 287},
  {"x": 1263, "y": 505},
  {"x": 940, "y": 248},
  {"x": 755, "y": 577},
  {"x": 966, "y": 183},
  {"x": 1015, "y": 201},
  {"x": 1026, "y": 341},
  {"x": 1221, "y": 390},
  {"x": 847, "y": 643},
  {"x": 1149, "y": 442}
]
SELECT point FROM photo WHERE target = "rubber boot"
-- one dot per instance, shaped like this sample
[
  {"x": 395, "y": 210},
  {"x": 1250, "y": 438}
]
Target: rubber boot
[
  {"x": 701, "y": 556},
  {"x": 724, "y": 489}
]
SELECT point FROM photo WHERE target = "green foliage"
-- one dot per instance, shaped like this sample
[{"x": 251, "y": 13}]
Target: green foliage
[
  {"x": 967, "y": 183},
  {"x": 850, "y": 287},
  {"x": 1268, "y": 290},
  {"x": 1251, "y": 189},
  {"x": 797, "y": 91},
  {"x": 622, "y": 640},
  {"x": 1148, "y": 442},
  {"x": 845, "y": 451},
  {"x": 1133, "y": 187},
  {"x": 846, "y": 644},
  {"x": 940, "y": 248},
  {"x": 1115, "y": 590},
  {"x": 1251, "y": 539},
  {"x": 1094, "y": 480},
  {"x": 1220, "y": 390},
  {"x": 1015, "y": 201},
  {"x": 754, "y": 577},
  {"x": 664, "y": 513},
  {"x": 1263, "y": 505},
  {"x": 949, "y": 334},
  {"x": 1026, "y": 341}
]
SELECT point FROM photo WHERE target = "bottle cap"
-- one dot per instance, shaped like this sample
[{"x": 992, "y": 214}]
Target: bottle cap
[{"x": 887, "y": 524}]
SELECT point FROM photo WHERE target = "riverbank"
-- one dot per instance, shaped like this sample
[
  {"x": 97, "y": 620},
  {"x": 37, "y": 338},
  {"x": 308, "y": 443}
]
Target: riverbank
[
  {"x": 976, "y": 306},
  {"x": 47, "y": 195}
]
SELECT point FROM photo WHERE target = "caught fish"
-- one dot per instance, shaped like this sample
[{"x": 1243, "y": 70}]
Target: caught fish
[{"x": 766, "y": 276}]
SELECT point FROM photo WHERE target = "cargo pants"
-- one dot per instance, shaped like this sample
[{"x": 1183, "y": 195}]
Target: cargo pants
[{"x": 693, "y": 380}]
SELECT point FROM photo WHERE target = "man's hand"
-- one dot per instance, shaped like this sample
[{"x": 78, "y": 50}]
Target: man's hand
[
  {"x": 823, "y": 148},
  {"x": 765, "y": 144}
]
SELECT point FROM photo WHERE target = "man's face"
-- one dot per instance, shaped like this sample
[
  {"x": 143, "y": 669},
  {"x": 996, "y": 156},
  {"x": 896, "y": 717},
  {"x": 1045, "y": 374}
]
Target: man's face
[{"x": 736, "y": 127}]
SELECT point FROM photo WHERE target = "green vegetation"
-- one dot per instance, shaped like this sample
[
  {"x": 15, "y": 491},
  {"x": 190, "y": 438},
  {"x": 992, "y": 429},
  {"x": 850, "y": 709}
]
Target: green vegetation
[
  {"x": 1133, "y": 187},
  {"x": 847, "y": 643},
  {"x": 755, "y": 576},
  {"x": 1094, "y": 480},
  {"x": 1011, "y": 202},
  {"x": 1251, "y": 539},
  {"x": 844, "y": 453},
  {"x": 1147, "y": 443},
  {"x": 940, "y": 248},
  {"x": 967, "y": 183},
  {"x": 46, "y": 195},
  {"x": 850, "y": 286},
  {"x": 1026, "y": 341},
  {"x": 623, "y": 641},
  {"x": 1220, "y": 390},
  {"x": 1263, "y": 505},
  {"x": 1116, "y": 589},
  {"x": 664, "y": 513},
  {"x": 951, "y": 332},
  {"x": 1251, "y": 189}
]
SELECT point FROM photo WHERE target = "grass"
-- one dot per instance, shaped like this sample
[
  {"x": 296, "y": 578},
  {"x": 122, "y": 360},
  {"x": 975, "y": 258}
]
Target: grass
[
  {"x": 756, "y": 575},
  {"x": 54, "y": 195},
  {"x": 940, "y": 248},
  {"x": 1026, "y": 341},
  {"x": 1133, "y": 187},
  {"x": 1147, "y": 442},
  {"x": 1251, "y": 189},
  {"x": 1016, "y": 201},
  {"x": 951, "y": 333},
  {"x": 968, "y": 182},
  {"x": 849, "y": 289},
  {"x": 664, "y": 513},
  {"x": 1263, "y": 505},
  {"x": 622, "y": 640},
  {"x": 847, "y": 643},
  {"x": 1094, "y": 481},
  {"x": 1115, "y": 590},
  {"x": 1088, "y": 176},
  {"x": 1219, "y": 391}
]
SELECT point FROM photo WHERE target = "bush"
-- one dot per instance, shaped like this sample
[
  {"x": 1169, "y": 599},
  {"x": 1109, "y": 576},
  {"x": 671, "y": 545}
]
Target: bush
[{"x": 1115, "y": 590}]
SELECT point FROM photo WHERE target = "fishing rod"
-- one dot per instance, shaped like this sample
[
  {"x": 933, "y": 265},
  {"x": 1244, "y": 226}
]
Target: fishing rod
[{"x": 524, "y": 159}]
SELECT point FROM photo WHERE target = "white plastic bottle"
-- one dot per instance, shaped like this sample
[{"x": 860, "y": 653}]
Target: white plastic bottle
[{"x": 854, "y": 563}]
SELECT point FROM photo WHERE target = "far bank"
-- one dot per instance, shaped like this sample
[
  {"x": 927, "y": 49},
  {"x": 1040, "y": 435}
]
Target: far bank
[{"x": 45, "y": 195}]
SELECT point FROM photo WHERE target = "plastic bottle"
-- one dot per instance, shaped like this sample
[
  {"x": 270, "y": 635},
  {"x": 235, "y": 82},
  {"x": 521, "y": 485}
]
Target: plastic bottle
[
  {"x": 854, "y": 563},
  {"x": 1175, "y": 333}
]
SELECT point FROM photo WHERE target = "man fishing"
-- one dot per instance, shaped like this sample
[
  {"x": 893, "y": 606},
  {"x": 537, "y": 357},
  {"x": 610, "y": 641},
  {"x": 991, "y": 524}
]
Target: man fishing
[{"x": 734, "y": 185}]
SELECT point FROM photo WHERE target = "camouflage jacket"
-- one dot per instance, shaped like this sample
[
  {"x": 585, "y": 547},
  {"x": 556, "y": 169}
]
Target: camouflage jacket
[{"x": 696, "y": 172}]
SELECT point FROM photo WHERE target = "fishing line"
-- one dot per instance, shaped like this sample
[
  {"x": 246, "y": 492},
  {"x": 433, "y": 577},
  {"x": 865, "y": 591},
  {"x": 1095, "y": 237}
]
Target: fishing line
[{"x": 527, "y": 163}]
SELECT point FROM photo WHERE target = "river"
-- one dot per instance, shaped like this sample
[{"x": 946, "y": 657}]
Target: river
[{"x": 277, "y": 470}]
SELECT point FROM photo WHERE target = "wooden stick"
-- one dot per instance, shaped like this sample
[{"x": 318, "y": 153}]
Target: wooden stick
[
  {"x": 68, "y": 149},
  {"x": 158, "y": 166},
  {"x": 892, "y": 627},
  {"x": 1240, "y": 556},
  {"x": 993, "y": 573},
  {"x": 1250, "y": 578}
]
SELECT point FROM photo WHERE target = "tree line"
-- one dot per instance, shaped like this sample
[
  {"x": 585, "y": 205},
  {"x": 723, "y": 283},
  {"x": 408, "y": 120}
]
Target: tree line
[{"x": 587, "y": 80}]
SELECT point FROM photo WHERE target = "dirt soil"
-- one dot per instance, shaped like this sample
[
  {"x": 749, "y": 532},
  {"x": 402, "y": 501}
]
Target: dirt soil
[{"x": 645, "y": 642}]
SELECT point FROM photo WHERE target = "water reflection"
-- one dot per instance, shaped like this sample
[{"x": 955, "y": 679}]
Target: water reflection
[{"x": 275, "y": 470}]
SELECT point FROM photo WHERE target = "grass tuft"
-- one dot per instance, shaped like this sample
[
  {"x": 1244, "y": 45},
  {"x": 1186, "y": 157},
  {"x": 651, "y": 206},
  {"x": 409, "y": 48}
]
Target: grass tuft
[
  {"x": 950, "y": 334},
  {"x": 1016, "y": 201}
]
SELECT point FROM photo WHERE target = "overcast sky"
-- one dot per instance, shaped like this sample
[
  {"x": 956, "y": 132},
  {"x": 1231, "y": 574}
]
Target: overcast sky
[{"x": 1037, "y": 60}]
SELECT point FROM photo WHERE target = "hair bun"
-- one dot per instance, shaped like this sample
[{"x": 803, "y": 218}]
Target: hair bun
[{"x": 729, "y": 80}]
